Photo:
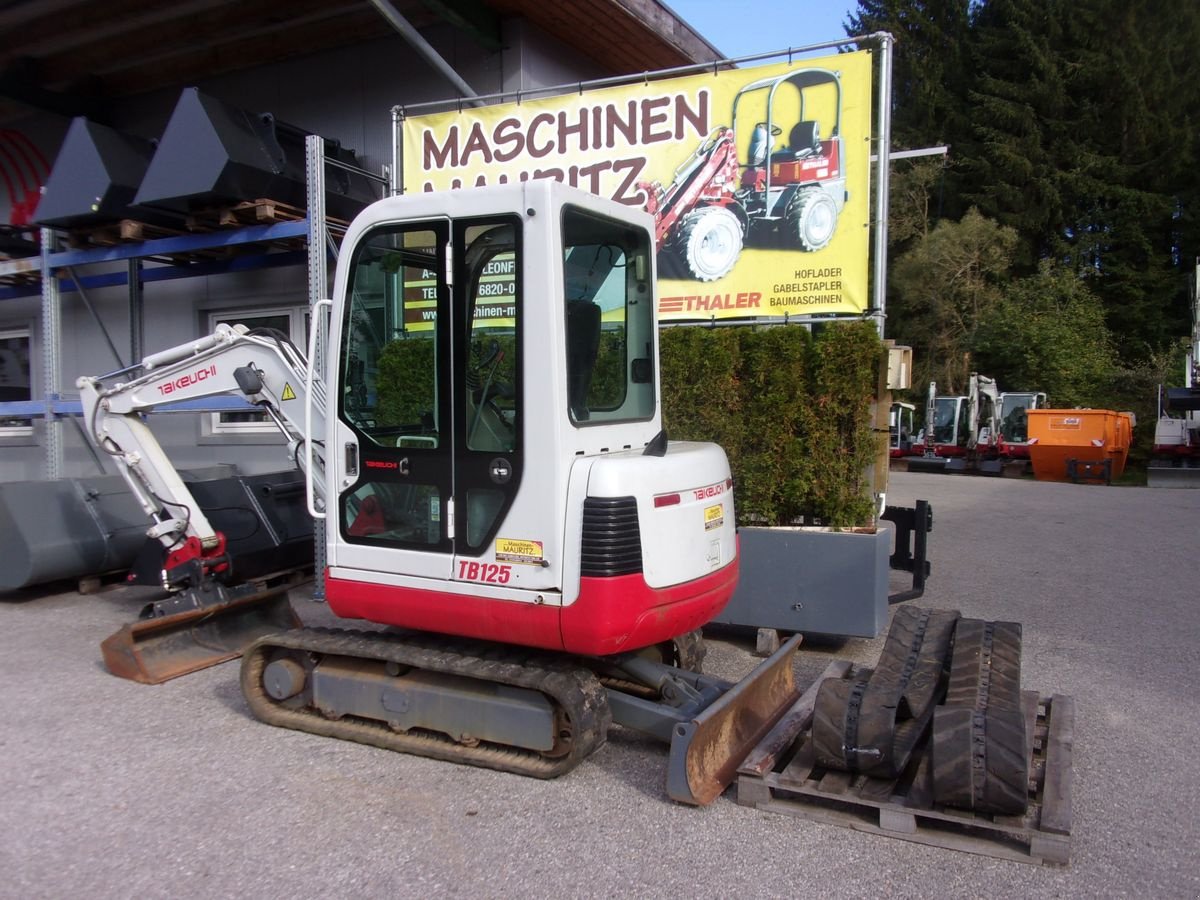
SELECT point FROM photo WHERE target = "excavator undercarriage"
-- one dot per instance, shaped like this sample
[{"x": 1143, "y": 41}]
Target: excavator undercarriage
[{"x": 512, "y": 709}]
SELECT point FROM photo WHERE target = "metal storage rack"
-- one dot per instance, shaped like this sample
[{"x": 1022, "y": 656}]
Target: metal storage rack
[{"x": 53, "y": 407}]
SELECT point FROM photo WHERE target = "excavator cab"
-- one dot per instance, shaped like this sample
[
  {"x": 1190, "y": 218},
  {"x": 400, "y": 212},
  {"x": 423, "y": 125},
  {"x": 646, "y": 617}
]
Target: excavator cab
[
  {"x": 1013, "y": 420},
  {"x": 496, "y": 444}
]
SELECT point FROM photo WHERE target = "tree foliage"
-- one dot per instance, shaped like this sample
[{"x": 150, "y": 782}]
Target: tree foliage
[
  {"x": 929, "y": 67},
  {"x": 1047, "y": 333},
  {"x": 791, "y": 410},
  {"x": 942, "y": 288},
  {"x": 1073, "y": 123}
]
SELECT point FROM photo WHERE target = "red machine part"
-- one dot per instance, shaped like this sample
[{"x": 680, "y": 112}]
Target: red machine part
[
  {"x": 611, "y": 615},
  {"x": 824, "y": 165},
  {"x": 710, "y": 181},
  {"x": 213, "y": 561},
  {"x": 22, "y": 158}
]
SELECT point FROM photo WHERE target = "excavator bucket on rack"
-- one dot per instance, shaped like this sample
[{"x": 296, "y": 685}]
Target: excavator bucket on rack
[
  {"x": 161, "y": 647},
  {"x": 706, "y": 751}
]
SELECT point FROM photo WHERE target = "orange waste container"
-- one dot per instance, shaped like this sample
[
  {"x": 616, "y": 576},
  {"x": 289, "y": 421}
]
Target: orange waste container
[{"x": 1079, "y": 444}]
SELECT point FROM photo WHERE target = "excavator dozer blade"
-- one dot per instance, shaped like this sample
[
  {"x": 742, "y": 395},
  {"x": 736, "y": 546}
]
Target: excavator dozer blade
[
  {"x": 156, "y": 650},
  {"x": 706, "y": 751}
]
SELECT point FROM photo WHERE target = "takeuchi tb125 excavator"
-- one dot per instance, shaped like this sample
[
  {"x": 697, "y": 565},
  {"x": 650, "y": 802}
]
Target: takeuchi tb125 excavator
[{"x": 478, "y": 421}]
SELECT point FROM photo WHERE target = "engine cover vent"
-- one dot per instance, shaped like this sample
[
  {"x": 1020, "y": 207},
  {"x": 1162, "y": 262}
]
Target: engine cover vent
[{"x": 612, "y": 541}]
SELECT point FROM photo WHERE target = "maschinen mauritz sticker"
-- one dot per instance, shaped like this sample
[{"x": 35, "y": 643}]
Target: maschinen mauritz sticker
[
  {"x": 516, "y": 551},
  {"x": 714, "y": 517}
]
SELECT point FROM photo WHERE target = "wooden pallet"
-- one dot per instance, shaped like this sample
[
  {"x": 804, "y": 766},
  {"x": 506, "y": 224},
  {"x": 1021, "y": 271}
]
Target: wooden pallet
[
  {"x": 781, "y": 776},
  {"x": 249, "y": 212},
  {"x": 26, "y": 273},
  {"x": 263, "y": 211},
  {"x": 125, "y": 231}
]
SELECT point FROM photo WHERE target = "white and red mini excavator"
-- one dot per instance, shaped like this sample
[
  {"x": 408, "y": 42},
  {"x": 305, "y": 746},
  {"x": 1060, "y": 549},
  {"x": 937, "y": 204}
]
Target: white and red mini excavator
[{"x": 478, "y": 423}]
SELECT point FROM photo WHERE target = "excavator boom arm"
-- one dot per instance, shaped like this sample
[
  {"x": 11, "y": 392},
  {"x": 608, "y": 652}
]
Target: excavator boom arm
[{"x": 261, "y": 366}]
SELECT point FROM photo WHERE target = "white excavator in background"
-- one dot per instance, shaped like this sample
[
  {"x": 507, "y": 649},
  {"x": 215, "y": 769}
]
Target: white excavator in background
[
  {"x": 1176, "y": 455},
  {"x": 960, "y": 431},
  {"x": 1013, "y": 422},
  {"x": 479, "y": 426}
]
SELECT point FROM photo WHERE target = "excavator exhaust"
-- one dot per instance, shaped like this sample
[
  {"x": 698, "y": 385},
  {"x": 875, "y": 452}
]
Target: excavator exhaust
[{"x": 190, "y": 631}]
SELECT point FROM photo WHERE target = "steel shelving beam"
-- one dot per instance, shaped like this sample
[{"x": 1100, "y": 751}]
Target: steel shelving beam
[
  {"x": 51, "y": 339},
  {"x": 52, "y": 408},
  {"x": 170, "y": 273}
]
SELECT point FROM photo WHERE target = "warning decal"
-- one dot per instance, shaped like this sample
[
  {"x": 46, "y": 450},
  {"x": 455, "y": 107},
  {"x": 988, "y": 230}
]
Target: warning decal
[
  {"x": 288, "y": 393},
  {"x": 714, "y": 517}
]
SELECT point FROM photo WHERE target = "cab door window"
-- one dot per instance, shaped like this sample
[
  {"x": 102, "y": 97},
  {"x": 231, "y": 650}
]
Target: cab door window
[{"x": 393, "y": 389}]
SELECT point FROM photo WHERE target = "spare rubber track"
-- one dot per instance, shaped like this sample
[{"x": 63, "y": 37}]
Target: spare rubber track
[
  {"x": 575, "y": 692},
  {"x": 871, "y": 724},
  {"x": 980, "y": 753}
]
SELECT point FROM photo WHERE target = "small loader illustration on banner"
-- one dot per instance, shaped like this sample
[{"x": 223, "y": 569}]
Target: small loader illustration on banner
[{"x": 787, "y": 195}]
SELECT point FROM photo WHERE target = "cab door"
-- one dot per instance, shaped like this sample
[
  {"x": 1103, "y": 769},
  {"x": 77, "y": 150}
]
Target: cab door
[
  {"x": 428, "y": 451},
  {"x": 394, "y": 435},
  {"x": 489, "y": 395}
]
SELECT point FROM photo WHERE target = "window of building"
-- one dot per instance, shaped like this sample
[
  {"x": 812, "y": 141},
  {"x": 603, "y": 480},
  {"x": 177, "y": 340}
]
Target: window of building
[
  {"x": 15, "y": 379},
  {"x": 291, "y": 321}
]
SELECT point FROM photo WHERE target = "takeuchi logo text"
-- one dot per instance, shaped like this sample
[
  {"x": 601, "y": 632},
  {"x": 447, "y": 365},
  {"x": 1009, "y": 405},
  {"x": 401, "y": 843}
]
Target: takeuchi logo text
[
  {"x": 184, "y": 381},
  {"x": 600, "y": 139}
]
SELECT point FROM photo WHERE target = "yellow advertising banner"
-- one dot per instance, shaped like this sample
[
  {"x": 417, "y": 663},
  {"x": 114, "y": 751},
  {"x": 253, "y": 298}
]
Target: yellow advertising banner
[{"x": 757, "y": 178}]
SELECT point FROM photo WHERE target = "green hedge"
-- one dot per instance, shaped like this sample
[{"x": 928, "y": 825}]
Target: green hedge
[{"x": 791, "y": 409}]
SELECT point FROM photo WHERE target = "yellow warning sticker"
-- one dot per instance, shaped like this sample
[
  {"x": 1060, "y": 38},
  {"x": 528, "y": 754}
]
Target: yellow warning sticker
[
  {"x": 517, "y": 551},
  {"x": 714, "y": 517},
  {"x": 288, "y": 393}
]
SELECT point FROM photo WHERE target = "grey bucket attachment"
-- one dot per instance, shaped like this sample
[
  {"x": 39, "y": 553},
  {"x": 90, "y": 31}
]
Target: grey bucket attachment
[
  {"x": 158, "y": 648},
  {"x": 95, "y": 177},
  {"x": 56, "y": 530},
  {"x": 707, "y": 751},
  {"x": 72, "y": 528},
  {"x": 214, "y": 154}
]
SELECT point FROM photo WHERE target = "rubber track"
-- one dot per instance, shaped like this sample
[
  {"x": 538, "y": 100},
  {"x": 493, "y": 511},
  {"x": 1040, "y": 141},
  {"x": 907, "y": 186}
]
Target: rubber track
[
  {"x": 979, "y": 751},
  {"x": 872, "y": 723},
  {"x": 574, "y": 691}
]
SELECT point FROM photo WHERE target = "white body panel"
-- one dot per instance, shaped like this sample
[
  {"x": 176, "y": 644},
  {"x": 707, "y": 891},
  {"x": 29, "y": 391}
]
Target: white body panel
[
  {"x": 682, "y": 540},
  {"x": 561, "y": 458}
]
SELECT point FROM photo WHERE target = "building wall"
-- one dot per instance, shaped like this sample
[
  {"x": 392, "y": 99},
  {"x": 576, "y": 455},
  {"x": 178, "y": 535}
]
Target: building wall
[{"x": 347, "y": 95}]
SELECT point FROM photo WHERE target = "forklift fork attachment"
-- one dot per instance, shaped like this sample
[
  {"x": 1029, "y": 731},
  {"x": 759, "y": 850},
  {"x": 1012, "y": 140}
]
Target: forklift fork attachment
[
  {"x": 158, "y": 649},
  {"x": 706, "y": 752}
]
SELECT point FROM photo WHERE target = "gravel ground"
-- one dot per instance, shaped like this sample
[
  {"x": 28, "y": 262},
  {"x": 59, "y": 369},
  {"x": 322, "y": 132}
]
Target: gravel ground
[{"x": 114, "y": 789}]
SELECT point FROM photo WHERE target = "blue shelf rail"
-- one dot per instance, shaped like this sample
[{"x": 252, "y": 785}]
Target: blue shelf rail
[
  {"x": 161, "y": 247},
  {"x": 54, "y": 406}
]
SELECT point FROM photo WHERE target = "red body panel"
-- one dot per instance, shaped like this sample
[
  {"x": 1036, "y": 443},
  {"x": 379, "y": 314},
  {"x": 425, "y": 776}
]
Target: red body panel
[
  {"x": 1014, "y": 451},
  {"x": 612, "y": 615}
]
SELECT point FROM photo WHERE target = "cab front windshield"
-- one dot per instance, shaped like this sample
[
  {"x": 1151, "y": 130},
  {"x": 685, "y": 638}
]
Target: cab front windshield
[
  {"x": 944, "y": 419},
  {"x": 1014, "y": 423}
]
